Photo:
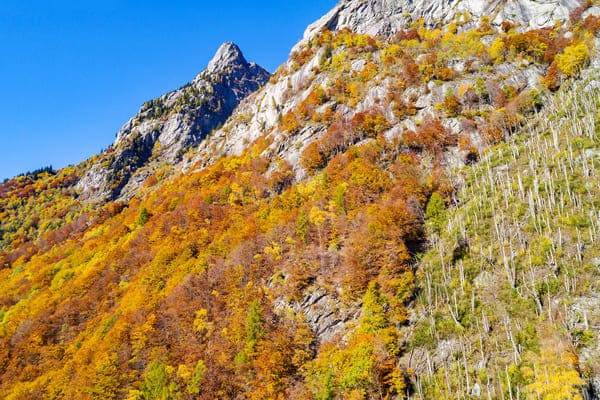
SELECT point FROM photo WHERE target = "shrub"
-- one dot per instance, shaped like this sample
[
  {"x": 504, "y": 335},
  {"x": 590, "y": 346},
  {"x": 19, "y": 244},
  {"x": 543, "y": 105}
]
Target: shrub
[
  {"x": 372, "y": 316},
  {"x": 370, "y": 124},
  {"x": 451, "y": 105},
  {"x": 409, "y": 34},
  {"x": 551, "y": 79},
  {"x": 573, "y": 58},
  {"x": 507, "y": 26},
  {"x": 390, "y": 54},
  {"x": 349, "y": 39},
  {"x": 495, "y": 93},
  {"x": 253, "y": 331},
  {"x": 465, "y": 144},
  {"x": 337, "y": 138},
  {"x": 345, "y": 92},
  {"x": 526, "y": 101},
  {"x": 496, "y": 50},
  {"x": 499, "y": 122},
  {"x": 485, "y": 25},
  {"x": 353, "y": 93},
  {"x": 369, "y": 72},
  {"x": 282, "y": 177},
  {"x": 427, "y": 65},
  {"x": 143, "y": 217},
  {"x": 157, "y": 383},
  {"x": 339, "y": 62},
  {"x": 591, "y": 24},
  {"x": 324, "y": 38},
  {"x": 435, "y": 213},
  {"x": 444, "y": 73},
  {"x": 302, "y": 56},
  {"x": 431, "y": 136},
  {"x": 106, "y": 379},
  {"x": 552, "y": 372},
  {"x": 400, "y": 107},
  {"x": 463, "y": 45},
  {"x": 575, "y": 15},
  {"x": 315, "y": 98},
  {"x": 290, "y": 123},
  {"x": 469, "y": 97},
  {"x": 197, "y": 378},
  {"x": 312, "y": 158},
  {"x": 410, "y": 71},
  {"x": 532, "y": 44}
]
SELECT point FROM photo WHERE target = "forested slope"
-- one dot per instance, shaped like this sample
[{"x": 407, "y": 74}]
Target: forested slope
[
  {"x": 357, "y": 229},
  {"x": 509, "y": 293}
]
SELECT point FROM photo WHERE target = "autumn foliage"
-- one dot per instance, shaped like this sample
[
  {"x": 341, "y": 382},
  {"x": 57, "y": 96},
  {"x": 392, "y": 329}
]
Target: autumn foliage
[
  {"x": 431, "y": 136},
  {"x": 194, "y": 289}
]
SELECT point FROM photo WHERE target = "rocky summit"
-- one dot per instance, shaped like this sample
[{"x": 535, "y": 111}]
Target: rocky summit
[
  {"x": 386, "y": 17},
  {"x": 406, "y": 209},
  {"x": 166, "y": 127}
]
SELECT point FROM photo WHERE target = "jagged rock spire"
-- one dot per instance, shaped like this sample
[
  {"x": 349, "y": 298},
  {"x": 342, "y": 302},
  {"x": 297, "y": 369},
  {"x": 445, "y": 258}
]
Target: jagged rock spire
[
  {"x": 176, "y": 121},
  {"x": 228, "y": 55}
]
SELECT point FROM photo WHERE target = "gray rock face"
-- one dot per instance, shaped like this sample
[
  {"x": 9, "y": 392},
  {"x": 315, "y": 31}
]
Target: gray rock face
[
  {"x": 260, "y": 113},
  {"x": 386, "y": 17},
  {"x": 583, "y": 315},
  {"x": 166, "y": 127},
  {"x": 325, "y": 314}
]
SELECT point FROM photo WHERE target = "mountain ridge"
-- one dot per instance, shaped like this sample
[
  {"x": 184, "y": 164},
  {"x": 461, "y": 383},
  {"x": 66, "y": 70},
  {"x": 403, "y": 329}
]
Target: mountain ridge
[
  {"x": 386, "y": 17},
  {"x": 166, "y": 127},
  {"x": 404, "y": 215}
]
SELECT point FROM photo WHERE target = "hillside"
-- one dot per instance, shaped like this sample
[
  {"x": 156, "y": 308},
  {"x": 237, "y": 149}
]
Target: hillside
[
  {"x": 406, "y": 208},
  {"x": 508, "y": 296}
]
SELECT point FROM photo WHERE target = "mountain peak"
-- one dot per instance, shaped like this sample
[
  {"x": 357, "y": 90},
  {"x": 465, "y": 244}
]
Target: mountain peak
[
  {"x": 229, "y": 54},
  {"x": 177, "y": 120}
]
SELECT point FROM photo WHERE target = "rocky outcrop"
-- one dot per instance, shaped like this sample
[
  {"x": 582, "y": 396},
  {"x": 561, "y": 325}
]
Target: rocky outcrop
[
  {"x": 260, "y": 114},
  {"x": 386, "y": 17},
  {"x": 166, "y": 127},
  {"x": 326, "y": 315}
]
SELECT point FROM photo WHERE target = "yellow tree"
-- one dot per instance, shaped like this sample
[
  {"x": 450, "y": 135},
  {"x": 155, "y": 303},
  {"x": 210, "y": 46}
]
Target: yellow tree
[{"x": 553, "y": 374}]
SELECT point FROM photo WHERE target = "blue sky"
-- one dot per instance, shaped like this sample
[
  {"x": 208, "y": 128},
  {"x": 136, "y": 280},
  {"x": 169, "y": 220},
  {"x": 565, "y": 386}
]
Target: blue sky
[{"x": 73, "y": 72}]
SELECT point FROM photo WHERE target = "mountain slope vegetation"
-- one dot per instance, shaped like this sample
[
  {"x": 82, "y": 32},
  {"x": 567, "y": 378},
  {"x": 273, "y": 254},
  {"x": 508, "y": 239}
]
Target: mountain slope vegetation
[
  {"x": 411, "y": 214},
  {"x": 510, "y": 285}
]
